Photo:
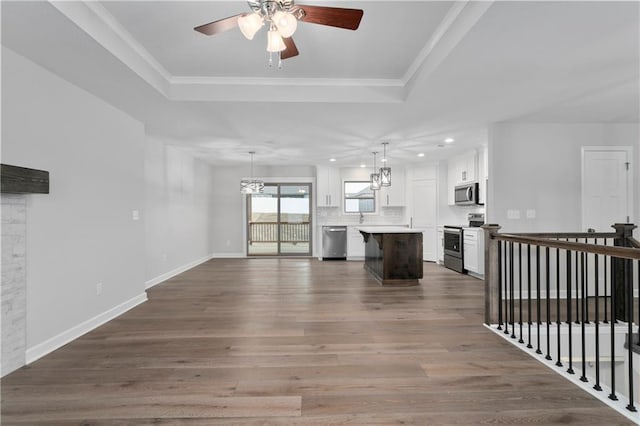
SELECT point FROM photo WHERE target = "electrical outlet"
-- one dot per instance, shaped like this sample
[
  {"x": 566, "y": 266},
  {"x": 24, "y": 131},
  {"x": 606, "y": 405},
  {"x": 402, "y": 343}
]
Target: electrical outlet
[
  {"x": 135, "y": 214},
  {"x": 98, "y": 289},
  {"x": 531, "y": 214}
]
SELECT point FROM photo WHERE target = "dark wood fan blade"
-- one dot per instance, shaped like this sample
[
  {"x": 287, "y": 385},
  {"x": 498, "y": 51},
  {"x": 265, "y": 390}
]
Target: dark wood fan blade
[
  {"x": 332, "y": 16},
  {"x": 219, "y": 26},
  {"x": 291, "y": 49}
]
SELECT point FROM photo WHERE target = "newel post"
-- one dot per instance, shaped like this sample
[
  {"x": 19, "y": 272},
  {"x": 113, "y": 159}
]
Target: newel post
[
  {"x": 620, "y": 270},
  {"x": 491, "y": 274}
]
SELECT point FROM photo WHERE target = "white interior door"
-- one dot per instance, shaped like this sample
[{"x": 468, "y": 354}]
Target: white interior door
[
  {"x": 424, "y": 215},
  {"x": 606, "y": 187}
]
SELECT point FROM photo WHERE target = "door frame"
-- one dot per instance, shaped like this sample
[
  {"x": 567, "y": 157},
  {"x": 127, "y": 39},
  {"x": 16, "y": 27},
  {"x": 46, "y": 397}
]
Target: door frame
[
  {"x": 630, "y": 180},
  {"x": 281, "y": 182}
]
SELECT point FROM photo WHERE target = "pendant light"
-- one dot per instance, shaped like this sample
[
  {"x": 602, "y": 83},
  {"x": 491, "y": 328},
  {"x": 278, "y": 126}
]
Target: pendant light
[
  {"x": 385, "y": 170},
  {"x": 251, "y": 186},
  {"x": 375, "y": 177}
]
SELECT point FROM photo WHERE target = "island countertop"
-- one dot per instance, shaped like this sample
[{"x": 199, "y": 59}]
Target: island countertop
[{"x": 388, "y": 230}]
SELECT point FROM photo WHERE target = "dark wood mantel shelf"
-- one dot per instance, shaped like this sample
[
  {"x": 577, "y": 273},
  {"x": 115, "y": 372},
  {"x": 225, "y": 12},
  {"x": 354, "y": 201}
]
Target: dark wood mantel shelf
[{"x": 22, "y": 180}]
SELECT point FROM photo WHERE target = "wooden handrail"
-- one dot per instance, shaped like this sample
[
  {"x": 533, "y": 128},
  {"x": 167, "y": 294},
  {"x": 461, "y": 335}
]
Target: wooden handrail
[
  {"x": 633, "y": 242},
  {"x": 614, "y": 251},
  {"x": 569, "y": 234}
]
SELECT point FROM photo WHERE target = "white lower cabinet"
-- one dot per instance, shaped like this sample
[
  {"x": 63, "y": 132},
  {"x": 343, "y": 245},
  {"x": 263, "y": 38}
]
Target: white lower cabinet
[
  {"x": 473, "y": 250},
  {"x": 355, "y": 244}
]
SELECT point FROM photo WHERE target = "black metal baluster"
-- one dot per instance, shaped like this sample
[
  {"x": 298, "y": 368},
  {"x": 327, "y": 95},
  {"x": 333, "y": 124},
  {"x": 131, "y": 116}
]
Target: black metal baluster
[
  {"x": 570, "y": 370},
  {"x": 577, "y": 288},
  {"x": 548, "y": 303},
  {"x": 500, "y": 280},
  {"x": 585, "y": 271},
  {"x": 511, "y": 275},
  {"x": 506, "y": 288},
  {"x": 597, "y": 321},
  {"x": 606, "y": 282},
  {"x": 529, "y": 292},
  {"x": 612, "y": 395},
  {"x": 629, "y": 285},
  {"x": 559, "y": 316},
  {"x": 520, "y": 288},
  {"x": 538, "y": 351},
  {"x": 583, "y": 378}
]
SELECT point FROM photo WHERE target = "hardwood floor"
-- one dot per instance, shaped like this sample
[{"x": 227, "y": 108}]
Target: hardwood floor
[{"x": 297, "y": 341}]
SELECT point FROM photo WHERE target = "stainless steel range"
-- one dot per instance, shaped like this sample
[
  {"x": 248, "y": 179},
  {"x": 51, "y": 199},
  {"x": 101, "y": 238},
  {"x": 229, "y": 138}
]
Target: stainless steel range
[
  {"x": 453, "y": 255},
  {"x": 453, "y": 242}
]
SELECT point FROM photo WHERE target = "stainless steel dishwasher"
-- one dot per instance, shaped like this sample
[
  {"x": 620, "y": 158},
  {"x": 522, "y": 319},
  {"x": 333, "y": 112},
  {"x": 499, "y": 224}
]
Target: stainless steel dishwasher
[{"x": 334, "y": 242}]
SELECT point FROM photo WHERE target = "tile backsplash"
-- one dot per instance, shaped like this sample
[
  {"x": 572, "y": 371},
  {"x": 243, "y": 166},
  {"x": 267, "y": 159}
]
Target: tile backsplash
[{"x": 385, "y": 216}]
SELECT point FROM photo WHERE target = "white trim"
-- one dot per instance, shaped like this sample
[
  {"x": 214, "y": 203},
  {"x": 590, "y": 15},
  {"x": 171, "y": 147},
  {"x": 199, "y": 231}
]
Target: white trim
[
  {"x": 97, "y": 22},
  {"x": 228, "y": 255},
  {"x": 180, "y": 269},
  {"x": 41, "y": 349},
  {"x": 630, "y": 177}
]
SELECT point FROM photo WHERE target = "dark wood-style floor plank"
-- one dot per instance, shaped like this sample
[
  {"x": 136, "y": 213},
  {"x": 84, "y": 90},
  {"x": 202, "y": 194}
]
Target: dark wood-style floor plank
[{"x": 297, "y": 341}]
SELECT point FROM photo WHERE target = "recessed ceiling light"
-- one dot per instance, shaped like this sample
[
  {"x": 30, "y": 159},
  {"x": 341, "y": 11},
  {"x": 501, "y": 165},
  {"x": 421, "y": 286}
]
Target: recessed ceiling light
[
  {"x": 449, "y": 140},
  {"x": 363, "y": 165},
  {"x": 421, "y": 154},
  {"x": 332, "y": 159}
]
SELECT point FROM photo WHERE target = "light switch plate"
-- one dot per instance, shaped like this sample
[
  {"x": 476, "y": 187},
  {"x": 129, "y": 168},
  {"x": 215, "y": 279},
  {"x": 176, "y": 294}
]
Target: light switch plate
[
  {"x": 135, "y": 214},
  {"x": 513, "y": 214}
]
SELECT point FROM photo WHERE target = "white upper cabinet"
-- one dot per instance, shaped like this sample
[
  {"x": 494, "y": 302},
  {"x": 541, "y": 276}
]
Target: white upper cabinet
[
  {"x": 394, "y": 195},
  {"x": 328, "y": 190},
  {"x": 462, "y": 169}
]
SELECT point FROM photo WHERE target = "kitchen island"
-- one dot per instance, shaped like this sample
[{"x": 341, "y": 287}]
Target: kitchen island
[{"x": 393, "y": 254}]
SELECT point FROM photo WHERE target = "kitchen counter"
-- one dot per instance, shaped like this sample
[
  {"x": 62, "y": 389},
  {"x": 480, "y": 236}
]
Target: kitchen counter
[{"x": 393, "y": 254}]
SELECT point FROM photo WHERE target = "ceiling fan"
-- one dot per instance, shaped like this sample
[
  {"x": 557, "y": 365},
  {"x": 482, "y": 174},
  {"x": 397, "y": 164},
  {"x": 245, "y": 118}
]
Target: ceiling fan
[{"x": 282, "y": 18}]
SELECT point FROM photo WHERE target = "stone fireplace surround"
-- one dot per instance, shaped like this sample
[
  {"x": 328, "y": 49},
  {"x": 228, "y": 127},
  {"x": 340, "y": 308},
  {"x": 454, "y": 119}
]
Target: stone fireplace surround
[{"x": 13, "y": 298}]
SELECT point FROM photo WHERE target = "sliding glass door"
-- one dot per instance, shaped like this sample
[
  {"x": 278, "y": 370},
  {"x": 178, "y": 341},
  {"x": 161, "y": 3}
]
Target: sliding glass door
[{"x": 279, "y": 221}]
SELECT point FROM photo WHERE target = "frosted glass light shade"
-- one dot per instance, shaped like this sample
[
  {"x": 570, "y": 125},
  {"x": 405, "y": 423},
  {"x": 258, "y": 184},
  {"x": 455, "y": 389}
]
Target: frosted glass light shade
[
  {"x": 286, "y": 23},
  {"x": 385, "y": 176},
  {"x": 375, "y": 181},
  {"x": 250, "y": 24},
  {"x": 275, "y": 42},
  {"x": 251, "y": 186}
]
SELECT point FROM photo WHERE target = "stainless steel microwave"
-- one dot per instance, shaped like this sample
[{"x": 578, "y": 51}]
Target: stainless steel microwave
[{"x": 466, "y": 194}]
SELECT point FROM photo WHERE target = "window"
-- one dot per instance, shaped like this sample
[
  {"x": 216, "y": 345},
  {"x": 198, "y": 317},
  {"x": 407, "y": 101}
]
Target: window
[{"x": 359, "y": 197}]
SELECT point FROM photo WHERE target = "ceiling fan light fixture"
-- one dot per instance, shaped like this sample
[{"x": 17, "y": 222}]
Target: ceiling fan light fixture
[
  {"x": 286, "y": 23},
  {"x": 275, "y": 42},
  {"x": 250, "y": 24}
]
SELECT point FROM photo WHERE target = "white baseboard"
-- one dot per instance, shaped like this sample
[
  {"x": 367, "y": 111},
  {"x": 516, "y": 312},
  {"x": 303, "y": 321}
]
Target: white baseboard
[
  {"x": 228, "y": 255},
  {"x": 38, "y": 351},
  {"x": 161, "y": 278}
]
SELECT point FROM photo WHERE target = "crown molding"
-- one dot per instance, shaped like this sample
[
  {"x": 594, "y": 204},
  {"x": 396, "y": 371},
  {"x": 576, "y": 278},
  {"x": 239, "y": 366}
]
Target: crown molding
[
  {"x": 95, "y": 20},
  {"x": 99, "y": 24}
]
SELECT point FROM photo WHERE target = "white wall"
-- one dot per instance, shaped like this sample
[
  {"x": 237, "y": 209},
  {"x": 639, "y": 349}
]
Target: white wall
[
  {"x": 538, "y": 166},
  {"x": 228, "y": 229},
  {"x": 82, "y": 233},
  {"x": 178, "y": 216}
]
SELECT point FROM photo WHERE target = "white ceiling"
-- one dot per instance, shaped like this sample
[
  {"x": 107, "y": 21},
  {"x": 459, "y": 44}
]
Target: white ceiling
[{"x": 413, "y": 74}]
